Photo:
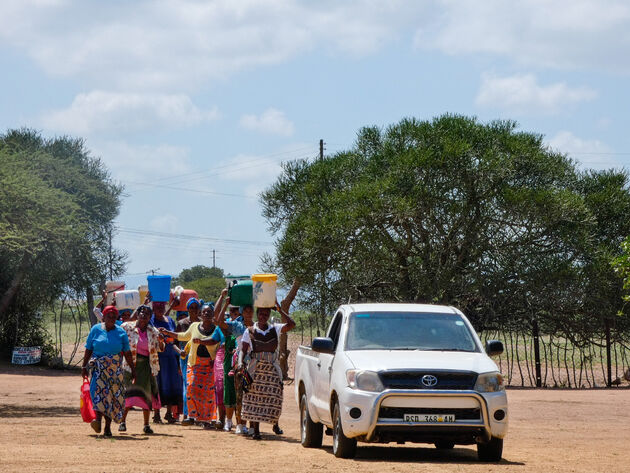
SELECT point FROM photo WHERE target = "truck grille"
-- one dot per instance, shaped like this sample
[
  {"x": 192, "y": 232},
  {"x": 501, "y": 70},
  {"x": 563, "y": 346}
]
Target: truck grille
[
  {"x": 460, "y": 413},
  {"x": 453, "y": 380}
]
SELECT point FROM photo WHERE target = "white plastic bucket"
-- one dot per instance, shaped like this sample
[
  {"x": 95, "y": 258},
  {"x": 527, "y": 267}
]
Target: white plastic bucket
[
  {"x": 129, "y": 299},
  {"x": 111, "y": 287},
  {"x": 264, "y": 288}
]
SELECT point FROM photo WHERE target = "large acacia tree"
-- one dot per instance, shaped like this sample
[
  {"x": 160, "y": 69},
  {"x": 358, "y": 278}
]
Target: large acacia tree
[
  {"x": 57, "y": 206},
  {"x": 451, "y": 211}
]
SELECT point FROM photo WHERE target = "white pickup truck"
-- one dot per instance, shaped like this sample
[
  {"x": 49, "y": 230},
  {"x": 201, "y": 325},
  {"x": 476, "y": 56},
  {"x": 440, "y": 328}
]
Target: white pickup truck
[{"x": 401, "y": 373}]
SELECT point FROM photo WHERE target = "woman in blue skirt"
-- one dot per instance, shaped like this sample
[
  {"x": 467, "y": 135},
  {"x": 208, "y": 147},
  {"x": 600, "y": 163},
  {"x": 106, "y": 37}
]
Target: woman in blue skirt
[{"x": 169, "y": 378}]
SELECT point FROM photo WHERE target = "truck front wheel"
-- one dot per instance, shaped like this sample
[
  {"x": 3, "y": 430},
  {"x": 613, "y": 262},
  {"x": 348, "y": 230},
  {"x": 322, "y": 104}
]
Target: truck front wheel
[
  {"x": 490, "y": 451},
  {"x": 311, "y": 432},
  {"x": 343, "y": 447}
]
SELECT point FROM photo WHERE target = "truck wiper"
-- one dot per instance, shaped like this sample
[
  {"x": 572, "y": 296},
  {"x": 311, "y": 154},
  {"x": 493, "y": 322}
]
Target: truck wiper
[{"x": 449, "y": 349}]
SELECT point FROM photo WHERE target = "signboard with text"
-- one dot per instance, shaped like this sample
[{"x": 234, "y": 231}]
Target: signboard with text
[{"x": 26, "y": 355}]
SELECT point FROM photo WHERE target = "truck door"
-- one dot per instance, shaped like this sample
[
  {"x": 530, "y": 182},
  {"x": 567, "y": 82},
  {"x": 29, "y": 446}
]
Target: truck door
[{"x": 324, "y": 373}]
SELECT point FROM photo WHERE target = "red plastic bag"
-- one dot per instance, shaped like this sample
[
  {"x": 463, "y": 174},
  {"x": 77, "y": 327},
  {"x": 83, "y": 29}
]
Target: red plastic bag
[{"x": 87, "y": 412}]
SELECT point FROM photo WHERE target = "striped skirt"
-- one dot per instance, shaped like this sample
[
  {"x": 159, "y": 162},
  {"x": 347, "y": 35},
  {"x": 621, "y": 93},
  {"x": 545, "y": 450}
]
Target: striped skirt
[
  {"x": 200, "y": 391},
  {"x": 263, "y": 401}
]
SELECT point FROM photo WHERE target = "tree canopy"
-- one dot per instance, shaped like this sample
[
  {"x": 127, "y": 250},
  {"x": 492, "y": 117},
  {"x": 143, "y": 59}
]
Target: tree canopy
[
  {"x": 482, "y": 216},
  {"x": 57, "y": 206}
]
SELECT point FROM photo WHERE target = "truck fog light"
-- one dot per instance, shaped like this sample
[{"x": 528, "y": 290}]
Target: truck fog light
[
  {"x": 499, "y": 414},
  {"x": 355, "y": 413}
]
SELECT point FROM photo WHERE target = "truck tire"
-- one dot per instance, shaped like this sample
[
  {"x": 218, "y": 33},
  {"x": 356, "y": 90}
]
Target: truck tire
[
  {"x": 490, "y": 451},
  {"x": 343, "y": 447},
  {"x": 311, "y": 432}
]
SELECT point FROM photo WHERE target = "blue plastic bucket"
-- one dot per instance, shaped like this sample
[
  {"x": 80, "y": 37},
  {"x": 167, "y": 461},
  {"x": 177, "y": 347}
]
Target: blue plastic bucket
[{"x": 160, "y": 288}]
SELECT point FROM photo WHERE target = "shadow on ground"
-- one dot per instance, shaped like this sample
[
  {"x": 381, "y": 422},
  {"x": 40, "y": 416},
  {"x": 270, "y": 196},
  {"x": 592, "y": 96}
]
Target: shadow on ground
[
  {"x": 423, "y": 455},
  {"x": 10, "y": 411}
]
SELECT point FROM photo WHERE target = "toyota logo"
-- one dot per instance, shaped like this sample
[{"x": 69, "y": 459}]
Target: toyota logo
[{"x": 429, "y": 380}]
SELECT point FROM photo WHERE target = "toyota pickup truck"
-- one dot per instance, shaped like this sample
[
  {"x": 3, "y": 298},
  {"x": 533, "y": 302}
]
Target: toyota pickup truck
[{"x": 401, "y": 373}]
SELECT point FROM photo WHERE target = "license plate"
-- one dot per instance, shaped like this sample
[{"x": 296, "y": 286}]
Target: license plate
[{"x": 429, "y": 418}]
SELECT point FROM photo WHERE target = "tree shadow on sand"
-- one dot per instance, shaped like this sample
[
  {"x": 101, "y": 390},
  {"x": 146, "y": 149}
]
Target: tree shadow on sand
[{"x": 11, "y": 411}]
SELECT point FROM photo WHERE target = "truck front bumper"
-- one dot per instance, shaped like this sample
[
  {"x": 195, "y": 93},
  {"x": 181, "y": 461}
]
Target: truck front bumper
[{"x": 477, "y": 424}]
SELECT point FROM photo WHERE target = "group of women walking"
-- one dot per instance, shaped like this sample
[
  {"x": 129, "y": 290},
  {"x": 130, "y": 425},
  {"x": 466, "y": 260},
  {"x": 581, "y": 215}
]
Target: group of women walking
[{"x": 206, "y": 366}]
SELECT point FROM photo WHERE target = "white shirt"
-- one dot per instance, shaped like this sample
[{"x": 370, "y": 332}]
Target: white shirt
[{"x": 247, "y": 338}]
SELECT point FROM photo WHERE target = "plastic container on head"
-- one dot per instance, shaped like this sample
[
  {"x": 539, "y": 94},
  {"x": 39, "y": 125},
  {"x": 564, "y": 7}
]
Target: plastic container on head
[
  {"x": 264, "y": 289},
  {"x": 111, "y": 287},
  {"x": 184, "y": 297},
  {"x": 159, "y": 287},
  {"x": 129, "y": 299},
  {"x": 242, "y": 293}
]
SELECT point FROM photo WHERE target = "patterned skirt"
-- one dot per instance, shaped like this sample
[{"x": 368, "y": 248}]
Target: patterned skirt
[
  {"x": 218, "y": 376},
  {"x": 200, "y": 391},
  {"x": 263, "y": 402},
  {"x": 107, "y": 386}
]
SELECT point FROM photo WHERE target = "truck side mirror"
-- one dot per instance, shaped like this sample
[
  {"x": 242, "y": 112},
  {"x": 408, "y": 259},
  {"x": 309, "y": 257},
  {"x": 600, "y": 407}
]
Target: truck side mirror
[
  {"x": 322, "y": 345},
  {"x": 494, "y": 347}
]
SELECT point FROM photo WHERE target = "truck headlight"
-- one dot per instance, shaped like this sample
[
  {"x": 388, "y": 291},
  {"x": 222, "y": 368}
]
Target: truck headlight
[
  {"x": 364, "y": 380},
  {"x": 489, "y": 383}
]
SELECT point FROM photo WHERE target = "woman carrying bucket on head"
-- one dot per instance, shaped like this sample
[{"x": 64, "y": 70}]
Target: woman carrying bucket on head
[{"x": 263, "y": 401}]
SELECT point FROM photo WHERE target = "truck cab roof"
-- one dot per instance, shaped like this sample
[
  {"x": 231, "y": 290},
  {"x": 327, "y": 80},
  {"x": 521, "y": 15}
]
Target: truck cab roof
[{"x": 396, "y": 307}]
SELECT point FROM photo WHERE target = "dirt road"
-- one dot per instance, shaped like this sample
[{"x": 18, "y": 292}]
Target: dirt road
[{"x": 550, "y": 430}]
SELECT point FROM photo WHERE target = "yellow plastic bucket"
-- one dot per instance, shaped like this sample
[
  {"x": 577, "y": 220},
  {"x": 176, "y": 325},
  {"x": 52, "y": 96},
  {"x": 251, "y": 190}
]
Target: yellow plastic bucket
[{"x": 264, "y": 288}]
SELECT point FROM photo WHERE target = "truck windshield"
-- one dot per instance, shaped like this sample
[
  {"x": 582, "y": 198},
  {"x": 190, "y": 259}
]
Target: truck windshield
[{"x": 409, "y": 331}]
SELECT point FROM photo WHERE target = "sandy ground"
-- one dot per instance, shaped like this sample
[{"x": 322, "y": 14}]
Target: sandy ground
[{"x": 550, "y": 430}]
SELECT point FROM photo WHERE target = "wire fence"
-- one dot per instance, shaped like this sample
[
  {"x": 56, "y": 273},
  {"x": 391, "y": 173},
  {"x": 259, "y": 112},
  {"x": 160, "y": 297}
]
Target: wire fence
[{"x": 561, "y": 363}]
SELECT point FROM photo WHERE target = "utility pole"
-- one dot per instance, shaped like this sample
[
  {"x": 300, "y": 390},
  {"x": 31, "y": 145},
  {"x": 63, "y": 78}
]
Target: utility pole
[
  {"x": 214, "y": 259},
  {"x": 153, "y": 271},
  {"x": 321, "y": 150}
]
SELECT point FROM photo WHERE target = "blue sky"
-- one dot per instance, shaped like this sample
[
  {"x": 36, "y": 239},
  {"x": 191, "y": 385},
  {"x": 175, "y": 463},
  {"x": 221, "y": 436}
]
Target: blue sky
[{"x": 213, "y": 96}]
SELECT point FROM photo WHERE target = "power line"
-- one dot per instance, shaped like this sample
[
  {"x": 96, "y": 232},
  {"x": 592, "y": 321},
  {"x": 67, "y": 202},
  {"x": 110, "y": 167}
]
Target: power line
[
  {"x": 176, "y": 177},
  {"x": 193, "y": 237}
]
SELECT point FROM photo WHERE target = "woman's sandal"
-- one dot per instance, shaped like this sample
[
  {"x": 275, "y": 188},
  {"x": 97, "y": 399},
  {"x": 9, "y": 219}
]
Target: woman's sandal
[
  {"x": 107, "y": 432},
  {"x": 256, "y": 436},
  {"x": 96, "y": 426},
  {"x": 277, "y": 430}
]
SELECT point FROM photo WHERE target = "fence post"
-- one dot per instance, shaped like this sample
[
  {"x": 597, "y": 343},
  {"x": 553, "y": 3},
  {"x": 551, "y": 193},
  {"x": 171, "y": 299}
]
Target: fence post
[
  {"x": 608, "y": 357},
  {"x": 536, "y": 334}
]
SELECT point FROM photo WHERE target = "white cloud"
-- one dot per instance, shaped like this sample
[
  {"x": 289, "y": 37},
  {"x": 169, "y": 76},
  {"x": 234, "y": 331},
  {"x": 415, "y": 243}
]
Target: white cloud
[
  {"x": 591, "y": 154},
  {"x": 523, "y": 93},
  {"x": 563, "y": 34},
  {"x": 133, "y": 164},
  {"x": 145, "y": 45},
  {"x": 271, "y": 121},
  {"x": 101, "y": 111},
  {"x": 164, "y": 223}
]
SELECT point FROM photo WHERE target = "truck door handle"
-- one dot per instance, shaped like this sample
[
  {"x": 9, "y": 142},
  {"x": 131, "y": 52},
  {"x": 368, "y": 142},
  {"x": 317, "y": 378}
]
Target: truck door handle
[{"x": 319, "y": 364}]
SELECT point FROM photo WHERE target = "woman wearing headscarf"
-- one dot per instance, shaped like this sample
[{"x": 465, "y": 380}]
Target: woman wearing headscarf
[
  {"x": 193, "y": 307},
  {"x": 103, "y": 348},
  {"x": 203, "y": 338},
  {"x": 169, "y": 378},
  {"x": 145, "y": 343},
  {"x": 263, "y": 401}
]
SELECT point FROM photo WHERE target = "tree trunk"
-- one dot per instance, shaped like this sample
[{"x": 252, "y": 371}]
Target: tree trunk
[
  {"x": 89, "y": 295},
  {"x": 18, "y": 277},
  {"x": 284, "y": 348}
]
